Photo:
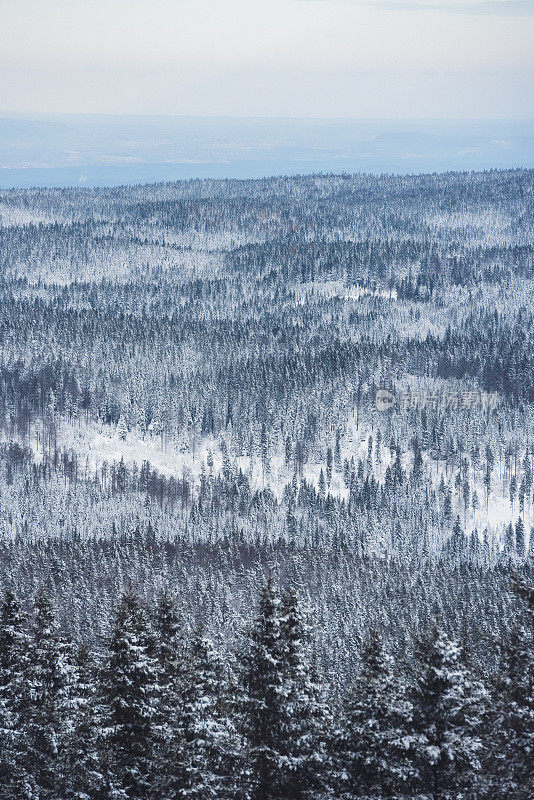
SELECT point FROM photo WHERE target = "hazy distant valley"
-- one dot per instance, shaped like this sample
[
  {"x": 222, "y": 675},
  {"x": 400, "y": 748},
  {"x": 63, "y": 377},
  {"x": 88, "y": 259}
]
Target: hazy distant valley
[
  {"x": 203, "y": 357},
  {"x": 90, "y": 150}
]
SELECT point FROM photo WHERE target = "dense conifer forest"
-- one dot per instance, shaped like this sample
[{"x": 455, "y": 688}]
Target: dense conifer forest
[{"x": 266, "y": 489}]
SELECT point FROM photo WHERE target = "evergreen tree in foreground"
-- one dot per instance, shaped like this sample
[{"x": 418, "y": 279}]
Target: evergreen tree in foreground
[
  {"x": 170, "y": 654},
  {"x": 199, "y": 761},
  {"x": 285, "y": 721},
  {"x": 376, "y": 742},
  {"x": 84, "y": 779},
  {"x": 525, "y": 591},
  {"x": 449, "y": 708},
  {"x": 509, "y": 763},
  {"x": 266, "y": 723},
  {"x": 309, "y": 757},
  {"x": 46, "y": 713},
  {"x": 129, "y": 702},
  {"x": 14, "y": 779}
]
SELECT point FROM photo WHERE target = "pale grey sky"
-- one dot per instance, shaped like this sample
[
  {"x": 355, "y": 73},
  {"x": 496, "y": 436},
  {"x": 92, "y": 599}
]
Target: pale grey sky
[{"x": 345, "y": 58}]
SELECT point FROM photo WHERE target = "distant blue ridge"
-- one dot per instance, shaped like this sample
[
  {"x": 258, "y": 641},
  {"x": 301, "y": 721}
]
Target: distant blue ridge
[{"x": 112, "y": 151}]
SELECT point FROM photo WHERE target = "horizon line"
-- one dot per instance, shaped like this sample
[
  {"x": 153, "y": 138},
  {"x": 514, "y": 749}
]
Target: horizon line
[{"x": 88, "y": 114}]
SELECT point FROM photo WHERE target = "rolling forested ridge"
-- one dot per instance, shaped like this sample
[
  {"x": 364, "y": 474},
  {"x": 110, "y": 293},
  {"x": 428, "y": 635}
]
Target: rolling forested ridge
[{"x": 266, "y": 489}]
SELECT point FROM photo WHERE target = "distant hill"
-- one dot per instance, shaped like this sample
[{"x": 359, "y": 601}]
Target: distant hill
[{"x": 113, "y": 150}]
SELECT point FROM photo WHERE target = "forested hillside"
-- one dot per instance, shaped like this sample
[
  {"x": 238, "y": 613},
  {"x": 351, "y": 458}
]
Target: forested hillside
[{"x": 314, "y": 390}]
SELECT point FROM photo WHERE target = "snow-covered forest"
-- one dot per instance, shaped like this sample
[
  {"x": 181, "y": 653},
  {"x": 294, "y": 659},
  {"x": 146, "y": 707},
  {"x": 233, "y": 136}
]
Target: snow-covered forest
[{"x": 266, "y": 489}]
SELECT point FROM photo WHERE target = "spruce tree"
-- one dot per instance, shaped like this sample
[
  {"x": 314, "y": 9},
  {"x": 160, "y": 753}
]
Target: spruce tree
[
  {"x": 509, "y": 762},
  {"x": 128, "y": 701},
  {"x": 449, "y": 709},
  {"x": 520, "y": 538},
  {"x": 376, "y": 737},
  {"x": 169, "y": 652},
  {"x": 14, "y": 779},
  {"x": 84, "y": 776},
  {"x": 200, "y": 759},
  {"x": 309, "y": 767},
  {"x": 264, "y": 701},
  {"x": 525, "y": 590},
  {"x": 46, "y": 717}
]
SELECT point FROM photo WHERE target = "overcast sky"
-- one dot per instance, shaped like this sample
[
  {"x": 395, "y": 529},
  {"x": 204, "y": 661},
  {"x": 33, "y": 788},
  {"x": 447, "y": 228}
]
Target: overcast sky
[{"x": 343, "y": 58}]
